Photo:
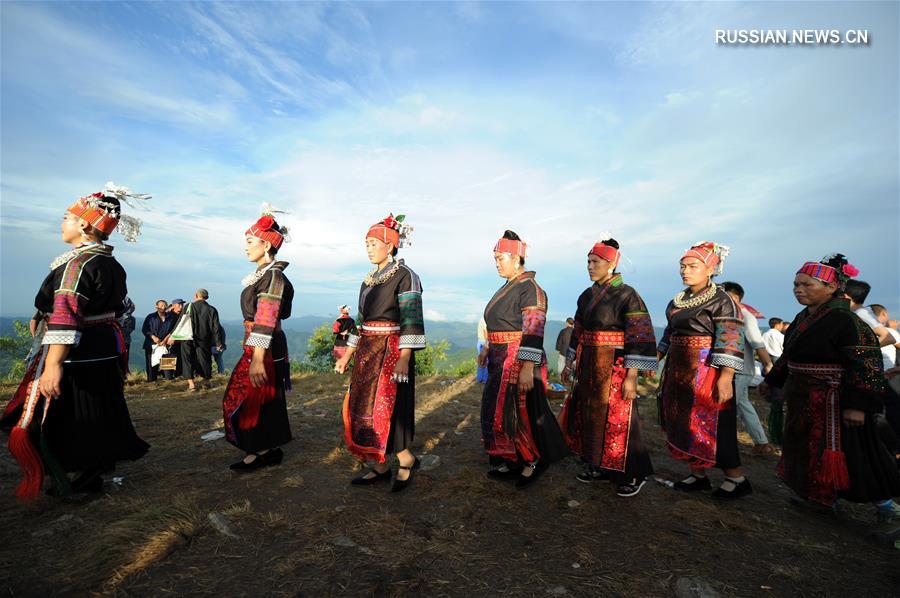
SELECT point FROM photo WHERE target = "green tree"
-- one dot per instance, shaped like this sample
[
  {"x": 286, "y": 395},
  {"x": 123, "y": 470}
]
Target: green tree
[
  {"x": 13, "y": 349},
  {"x": 319, "y": 346},
  {"x": 429, "y": 358}
]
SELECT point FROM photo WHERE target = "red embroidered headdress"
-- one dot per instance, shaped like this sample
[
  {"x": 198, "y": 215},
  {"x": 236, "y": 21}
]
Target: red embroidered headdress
[
  {"x": 512, "y": 247},
  {"x": 392, "y": 230},
  {"x": 711, "y": 254},
  {"x": 103, "y": 214},
  {"x": 829, "y": 274},
  {"x": 606, "y": 252},
  {"x": 267, "y": 229}
]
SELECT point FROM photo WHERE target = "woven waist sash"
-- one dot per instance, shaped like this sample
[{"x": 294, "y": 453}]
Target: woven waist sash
[
  {"x": 100, "y": 319},
  {"x": 826, "y": 372},
  {"x": 603, "y": 338},
  {"x": 504, "y": 338},
  {"x": 380, "y": 328},
  {"x": 695, "y": 342}
]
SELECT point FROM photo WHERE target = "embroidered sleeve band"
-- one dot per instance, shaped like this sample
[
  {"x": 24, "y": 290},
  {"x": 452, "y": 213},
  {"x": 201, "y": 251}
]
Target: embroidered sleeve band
[
  {"x": 353, "y": 340},
  {"x": 62, "y": 337},
  {"x": 259, "y": 340},
  {"x": 641, "y": 362},
  {"x": 530, "y": 354},
  {"x": 412, "y": 341}
]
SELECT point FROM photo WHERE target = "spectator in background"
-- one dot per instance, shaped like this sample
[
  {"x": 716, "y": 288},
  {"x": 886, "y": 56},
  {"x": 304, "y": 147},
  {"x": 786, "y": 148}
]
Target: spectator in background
[
  {"x": 562, "y": 345},
  {"x": 174, "y": 344},
  {"x": 342, "y": 328},
  {"x": 481, "y": 375},
  {"x": 218, "y": 351},
  {"x": 127, "y": 321},
  {"x": 753, "y": 343},
  {"x": 156, "y": 328},
  {"x": 889, "y": 355},
  {"x": 857, "y": 291},
  {"x": 773, "y": 338},
  {"x": 196, "y": 351}
]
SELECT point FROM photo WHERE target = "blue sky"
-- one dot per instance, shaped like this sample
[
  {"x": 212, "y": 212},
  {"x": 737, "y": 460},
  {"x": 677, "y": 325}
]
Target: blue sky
[{"x": 557, "y": 120}]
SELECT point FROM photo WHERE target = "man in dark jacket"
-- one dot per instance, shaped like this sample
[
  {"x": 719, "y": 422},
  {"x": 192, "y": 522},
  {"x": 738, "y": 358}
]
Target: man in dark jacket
[
  {"x": 205, "y": 330},
  {"x": 156, "y": 328},
  {"x": 562, "y": 344}
]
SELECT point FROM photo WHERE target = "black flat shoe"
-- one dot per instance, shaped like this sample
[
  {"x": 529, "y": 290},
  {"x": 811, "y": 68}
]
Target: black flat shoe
[
  {"x": 738, "y": 490},
  {"x": 537, "y": 470},
  {"x": 274, "y": 456},
  {"x": 243, "y": 467},
  {"x": 399, "y": 485},
  {"x": 504, "y": 472},
  {"x": 693, "y": 484},
  {"x": 378, "y": 477}
]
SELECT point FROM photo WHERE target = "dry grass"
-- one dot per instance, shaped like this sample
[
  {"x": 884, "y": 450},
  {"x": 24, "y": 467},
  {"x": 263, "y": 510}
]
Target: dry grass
[{"x": 300, "y": 529}]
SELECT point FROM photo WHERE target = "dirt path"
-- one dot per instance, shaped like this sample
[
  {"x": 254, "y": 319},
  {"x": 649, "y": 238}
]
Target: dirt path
[{"x": 301, "y": 530}]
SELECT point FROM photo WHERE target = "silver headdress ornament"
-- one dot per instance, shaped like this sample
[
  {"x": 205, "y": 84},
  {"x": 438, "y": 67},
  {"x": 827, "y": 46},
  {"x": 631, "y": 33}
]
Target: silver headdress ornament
[
  {"x": 267, "y": 209},
  {"x": 403, "y": 229},
  {"x": 721, "y": 251},
  {"x": 604, "y": 236},
  {"x": 129, "y": 227}
]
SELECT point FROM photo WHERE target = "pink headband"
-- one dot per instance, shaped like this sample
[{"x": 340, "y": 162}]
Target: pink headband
[
  {"x": 510, "y": 246},
  {"x": 606, "y": 252}
]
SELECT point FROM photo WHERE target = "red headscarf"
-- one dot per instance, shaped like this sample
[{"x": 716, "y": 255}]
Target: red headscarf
[
  {"x": 512, "y": 247},
  {"x": 606, "y": 252},
  {"x": 265, "y": 229}
]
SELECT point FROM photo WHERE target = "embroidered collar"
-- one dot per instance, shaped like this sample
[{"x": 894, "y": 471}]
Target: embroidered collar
[
  {"x": 695, "y": 301},
  {"x": 614, "y": 281},
  {"x": 374, "y": 278},
  {"x": 65, "y": 257},
  {"x": 255, "y": 276}
]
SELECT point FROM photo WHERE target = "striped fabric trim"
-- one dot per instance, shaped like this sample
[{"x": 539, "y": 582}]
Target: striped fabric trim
[
  {"x": 726, "y": 361},
  {"x": 62, "y": 337},
  {"x": 353, "y": 340},
  {"x": 412, "y": 341},
  {"x": 256, "y": 339},
  {"x": 640, "y": 362},
  {"x": 662, "y": 347},
  {"x": 819, "y": 271},
  {"x": 530, "y": 354}
]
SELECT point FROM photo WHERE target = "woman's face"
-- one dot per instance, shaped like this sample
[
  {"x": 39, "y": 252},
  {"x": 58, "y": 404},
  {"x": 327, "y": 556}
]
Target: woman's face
[
  {"x": 694, "y": 272},
  {"x": 377, "y": 250},
  {"x": 811, "y": 291},
  {"x": 507, "y": 264},
  {"x": 71, "y": 227},
  {"x": 256, "y": 248},
  {"x": 598, "y": 268}
]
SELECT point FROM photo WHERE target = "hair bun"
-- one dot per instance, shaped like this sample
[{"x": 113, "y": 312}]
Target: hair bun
[{"x": 508, "y": 234}]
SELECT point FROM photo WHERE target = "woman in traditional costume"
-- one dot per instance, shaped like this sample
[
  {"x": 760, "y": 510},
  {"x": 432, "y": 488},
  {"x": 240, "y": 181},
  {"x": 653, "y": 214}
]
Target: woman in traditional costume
[
  {"x": 704, "y": 346},
  {"x": 255, "y": 408},
  {"x": 379, "y": 409},
  {"x": 833, "y": 383},
  {"x": 518, "y": 428},
  {"x": 612, "y": 341},
  {"x": 69, "y": 413}
]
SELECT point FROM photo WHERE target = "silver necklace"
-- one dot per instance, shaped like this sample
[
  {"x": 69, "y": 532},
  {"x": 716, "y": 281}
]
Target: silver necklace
[{"x": 696, "y": 301}]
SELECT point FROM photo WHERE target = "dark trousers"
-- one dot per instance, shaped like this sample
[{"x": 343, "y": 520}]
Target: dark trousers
[
  {"x": 196, "y": 359},
  {"x": 153, "y": 371},
  {"x": 219, "y": 358}
]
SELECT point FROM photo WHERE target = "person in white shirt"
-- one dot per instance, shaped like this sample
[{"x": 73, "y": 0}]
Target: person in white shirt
[
  {"x": 857, "y": 291},
  {"x": 753, "y": 344},
  {"x": 773, "y": 338},
  {"x": 889, "y": 353}
]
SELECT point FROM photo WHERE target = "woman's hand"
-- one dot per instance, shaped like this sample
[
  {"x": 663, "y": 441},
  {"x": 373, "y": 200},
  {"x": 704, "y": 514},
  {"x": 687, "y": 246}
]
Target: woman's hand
[
  {"x": 401, "y": 370},
  {"x": 483, "y": 357},
  {"x": 258, "y": 367},
  {"x": 340, "y": 366},
  {"x": 51, "y": 378},
  {"x": 629, "y": 385},
  {"x": 526, "y": 376},
  {"x": 854, "y": 418},
  {"x": 724, "y": 385}
]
